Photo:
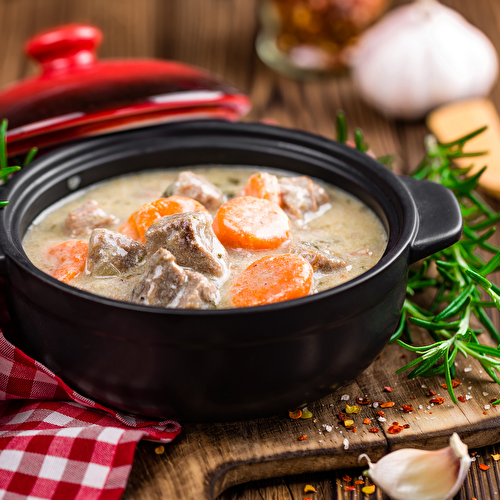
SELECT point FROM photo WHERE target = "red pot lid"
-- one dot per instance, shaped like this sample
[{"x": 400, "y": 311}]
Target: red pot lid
[{"x": 75, "y": 95}]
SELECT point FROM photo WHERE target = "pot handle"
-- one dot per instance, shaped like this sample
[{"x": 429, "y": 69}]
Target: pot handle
[
  {"x": 439, "y": 218},
  {"x": 3, "y": 264}
]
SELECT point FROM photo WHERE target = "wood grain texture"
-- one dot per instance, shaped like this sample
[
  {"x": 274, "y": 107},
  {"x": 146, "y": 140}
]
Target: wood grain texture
[
  {"x": 215, "y": 457},
  {"x": 206, "y": 460}
]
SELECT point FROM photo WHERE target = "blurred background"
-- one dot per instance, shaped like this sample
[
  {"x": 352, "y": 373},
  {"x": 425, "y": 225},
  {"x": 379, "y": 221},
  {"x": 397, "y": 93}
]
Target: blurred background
[{"x": 220, "y": 35}]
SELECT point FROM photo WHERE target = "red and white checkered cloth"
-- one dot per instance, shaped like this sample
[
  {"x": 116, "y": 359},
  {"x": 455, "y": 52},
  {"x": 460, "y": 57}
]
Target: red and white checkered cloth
[{"x": 57, "y": 444}]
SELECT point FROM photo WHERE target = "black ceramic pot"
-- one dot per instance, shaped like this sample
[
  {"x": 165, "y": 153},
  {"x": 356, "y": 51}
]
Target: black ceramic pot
[{"x": 219, "y": 364}]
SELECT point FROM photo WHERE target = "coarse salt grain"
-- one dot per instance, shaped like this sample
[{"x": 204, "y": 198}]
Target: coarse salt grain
[
  {"x": 423, "y": 386},
  {"x": 381, "y": 419},
  {"x": 345, "y": 397},
  {"x": 346, "y": 444},
  {"x": 375, "y": 405},
  {"x": 328, "y": 428},
  {"x": 487, "y": 407},
  {"x": 420, "y": 407},
  {"x": 466, "y": 370},
  {"x": 320, "y": 441},
  {"x": 485, "y": 393},
  {"x": 467, "y": 397},
  {"x": 469, "y": 388}
]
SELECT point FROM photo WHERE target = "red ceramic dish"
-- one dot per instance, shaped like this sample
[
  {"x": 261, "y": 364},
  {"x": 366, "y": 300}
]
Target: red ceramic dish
[{"x": 75, "y": 95}]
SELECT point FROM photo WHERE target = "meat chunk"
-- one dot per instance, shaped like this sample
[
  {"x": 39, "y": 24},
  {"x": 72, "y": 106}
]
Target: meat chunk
[
  {"x": 300, "y": 196},
  {"x": 165, "y": 284},
  {"x": 320, "y": 258},
  {"x": 189, "y": 236},
  {"x": 90, "y": 215},
  {"x": 112, "y": 254},
  {"x": 198, "y": 187}
]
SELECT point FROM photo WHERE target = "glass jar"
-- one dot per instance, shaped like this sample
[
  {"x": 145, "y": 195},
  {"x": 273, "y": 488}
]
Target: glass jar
[{"x": 308, "y": 38}]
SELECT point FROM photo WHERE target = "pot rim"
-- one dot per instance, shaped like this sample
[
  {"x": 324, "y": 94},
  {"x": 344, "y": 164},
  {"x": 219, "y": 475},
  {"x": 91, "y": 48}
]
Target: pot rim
[{"x": 11, "y": 241}]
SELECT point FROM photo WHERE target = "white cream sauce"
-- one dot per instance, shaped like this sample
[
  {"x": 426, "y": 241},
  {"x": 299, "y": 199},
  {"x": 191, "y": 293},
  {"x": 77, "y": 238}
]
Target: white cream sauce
[{"x": 348, "y": 227}]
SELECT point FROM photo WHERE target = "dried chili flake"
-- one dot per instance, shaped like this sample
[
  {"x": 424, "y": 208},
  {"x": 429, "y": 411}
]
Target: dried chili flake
[
  {"x": 403, "y": 355},
  {"x": 367, "y": 421},
  {"x": 406, "y": 426},
  {"x": 432, "y": 393},
  {"x": 388, "y": 389},
  {"x": 462, "y": 399},
  {"x": 495, "y": 457},
  {"x": 454, "y": 383},
  {"x": 430, "y": 413},
  {"x": 352, "y": 409},
  {"x": 306, "y": 414},
  {"x": 347, "y": 478},
  {"x": 485, "y": 413},
  {"x": 379, "y": 356},
  {"x": 295, "y": 414},
  {"x": 394, "y": 429},
  {"x": 342, "y": 416},
  {"x": 307, "y": 498},
  {"x": 308, "y": 488},
  {"x": 302, "y": 438},
  {"x": 368, "y": 490},
  {"x": 407, "y": 408},
  {"x": 395, "y": 423},
  {"x": 362, "y": 401},
  {"x": 348, "y": 423},
  {"x": 484, "y": 466},
  {"x": 159, "y": 450},
  {"x": 380, "y": 414},
  {"x": 413, "y": 397},
  {"x": 374, "y": 430},
  {"x": 350, "y": 488},
  {"x": 359, "y": 482},
  {"x": 473, "y": 453},
  {"x": 353, "y": 429},
  {"x": 438, "y": 401},
  {"x": 389, "y": 404}
]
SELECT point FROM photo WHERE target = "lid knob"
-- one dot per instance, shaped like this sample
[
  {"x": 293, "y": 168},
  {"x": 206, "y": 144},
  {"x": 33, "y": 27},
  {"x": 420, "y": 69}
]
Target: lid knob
[{"x": 64, "y": 47}]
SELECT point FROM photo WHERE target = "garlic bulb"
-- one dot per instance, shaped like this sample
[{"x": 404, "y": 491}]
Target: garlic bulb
[
  {"x": 420, "y": 56},
  {"x": 424, "y": 475}
]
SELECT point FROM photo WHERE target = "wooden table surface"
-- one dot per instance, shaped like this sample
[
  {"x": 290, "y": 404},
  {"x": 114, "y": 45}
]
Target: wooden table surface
[{"x": 219, "y": 35}]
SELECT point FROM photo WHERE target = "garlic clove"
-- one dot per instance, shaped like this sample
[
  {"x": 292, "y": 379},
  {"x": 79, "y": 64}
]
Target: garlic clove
[
  {"x": 419, "y": 474},
  {"x": 420, "y": 56}
]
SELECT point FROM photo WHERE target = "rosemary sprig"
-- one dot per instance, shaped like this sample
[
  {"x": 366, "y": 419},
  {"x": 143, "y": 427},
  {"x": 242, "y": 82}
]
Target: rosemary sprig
[
  {"x": 459, "y": 274},
  {"x": 5, "y": 170}
]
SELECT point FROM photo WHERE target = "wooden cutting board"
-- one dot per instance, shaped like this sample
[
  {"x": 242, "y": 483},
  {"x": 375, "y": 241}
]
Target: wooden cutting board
[{"x": 206, "y": 459}]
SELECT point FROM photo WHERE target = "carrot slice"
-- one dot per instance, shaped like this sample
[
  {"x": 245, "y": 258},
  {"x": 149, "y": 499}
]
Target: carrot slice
[
  {"x": 70, "y": 258},
  {"x": 272, "y": 279},
  {"x": 130, "y": 229},
  {"x": 263, "y": 185},
  {"x": 151, "y": 212},
  {"x": 252, "y": 223}
]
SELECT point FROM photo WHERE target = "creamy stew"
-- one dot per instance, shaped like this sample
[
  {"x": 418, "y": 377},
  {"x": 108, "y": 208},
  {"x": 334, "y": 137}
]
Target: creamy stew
[{"x": 207, "y": 237}]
